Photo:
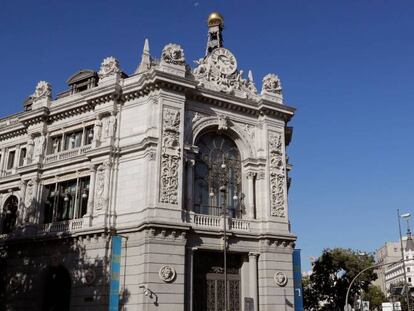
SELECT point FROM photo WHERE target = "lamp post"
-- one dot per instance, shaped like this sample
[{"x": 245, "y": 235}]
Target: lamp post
[
  {"x": 407, "y": 292},
  {"x": 362, "y": 271},
  {"x": 223, "y": 188}
]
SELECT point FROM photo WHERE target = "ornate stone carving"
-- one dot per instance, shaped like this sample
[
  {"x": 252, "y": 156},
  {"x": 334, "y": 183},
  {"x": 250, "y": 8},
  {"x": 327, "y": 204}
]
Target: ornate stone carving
[
  {"x": 277, "y": 175},
  {"x": 39, "y": 145},
  {"x": 97, "y": 131},
  {"x": 167, "y": 273},
  {"x": 223, "y": 122},
  {"x": 170, "y": 157},
  {"x": 43, "y": 90},
  {"x": 99, "y": 187},
  {"x": 218, "y": 71},
  {"x": 29, "y": 194},
  {"x": 280, "y": 279},
  {"x": 173, "y": 54},
  {"x": 110, "y": 126},
  {"x": 271, "y": 84},
  {"x": 109, "y": 67}
]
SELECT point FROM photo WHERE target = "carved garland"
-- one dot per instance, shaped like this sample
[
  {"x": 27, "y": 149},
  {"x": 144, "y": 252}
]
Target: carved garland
[
  {"x": 277, "y": 176},
  {"x": 170, "y": 156}
]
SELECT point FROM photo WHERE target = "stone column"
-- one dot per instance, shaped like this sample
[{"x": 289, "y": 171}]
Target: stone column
[
  {"x": 250, "y": 199},
  {"x": 91, "y": 194},
  {"x": 3, "y": 156},
  {"x": 190, "y": 185},
  {"x": 107, "y": 166},
  {"x": 30, "y": 148},
  {"x": 22, "y": 209},
  {"x": 191, "y": 278},
  {"x": 253, "y": 279},
  {"x": 35, "y": 201}
]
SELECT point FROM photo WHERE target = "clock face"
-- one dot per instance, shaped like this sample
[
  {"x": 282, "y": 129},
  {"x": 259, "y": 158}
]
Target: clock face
[{"x": 224, "y": 61}]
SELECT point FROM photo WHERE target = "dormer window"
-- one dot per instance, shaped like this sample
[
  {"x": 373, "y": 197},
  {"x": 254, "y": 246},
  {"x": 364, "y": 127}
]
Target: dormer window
[{"x": 82, "y": 80}]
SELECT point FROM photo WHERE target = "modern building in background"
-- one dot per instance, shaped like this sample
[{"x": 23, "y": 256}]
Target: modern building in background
[
  {"x": 152, "y": 158},
  {"x": 393, "y": 274}
]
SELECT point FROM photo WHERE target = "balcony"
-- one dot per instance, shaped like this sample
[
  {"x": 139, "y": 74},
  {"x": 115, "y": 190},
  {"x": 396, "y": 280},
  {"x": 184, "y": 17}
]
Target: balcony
[
  {"x": 61, "y": 226},
  {"x": 67, "y": 154},
  {"x": 211, "y": 217}
]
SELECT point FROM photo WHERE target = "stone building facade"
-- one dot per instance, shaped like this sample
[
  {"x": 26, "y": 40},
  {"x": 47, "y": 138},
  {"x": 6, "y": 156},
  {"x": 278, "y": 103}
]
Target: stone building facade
[{"x": 153, "y": 156}]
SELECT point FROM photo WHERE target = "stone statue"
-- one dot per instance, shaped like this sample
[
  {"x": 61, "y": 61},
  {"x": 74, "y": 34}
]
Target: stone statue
[
  {"x": 271, "y": 84},
  {"x": 173, "y": 54},
  {"x": 109, "y": 67},
  {"x": 39, "y": 145},
  {"x": 43, "y": 90}
]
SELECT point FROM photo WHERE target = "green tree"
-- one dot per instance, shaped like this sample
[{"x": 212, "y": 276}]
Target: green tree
[
  {"x": 375, "y": 296},
  {"x": 310, "y": 301},
  {"x": 331, "y": 275}
]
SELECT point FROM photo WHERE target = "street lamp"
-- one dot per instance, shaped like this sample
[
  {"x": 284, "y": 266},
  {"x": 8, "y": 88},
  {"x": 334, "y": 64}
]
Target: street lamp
[
  {"x": 405, "y": 216},
  {"x": 223, "y": 185}
]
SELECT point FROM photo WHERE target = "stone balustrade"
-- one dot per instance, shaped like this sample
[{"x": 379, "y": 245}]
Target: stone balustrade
[
  {"x": 216, "y": 222},
  {"x": 67, "y": 154}
]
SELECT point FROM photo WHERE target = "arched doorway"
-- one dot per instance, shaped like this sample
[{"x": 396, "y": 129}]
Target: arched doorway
[
  {"x": 9, "y": 214},
  {"x": 57, "y": 288}
]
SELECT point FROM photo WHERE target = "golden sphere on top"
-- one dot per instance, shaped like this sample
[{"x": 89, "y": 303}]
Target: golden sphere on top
[{"x": 215, "y": 19}]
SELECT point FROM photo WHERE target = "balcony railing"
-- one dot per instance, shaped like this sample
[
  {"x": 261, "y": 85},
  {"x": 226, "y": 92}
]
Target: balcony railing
[
  {"x": 61, "y": 226},
  {"x": 212, "y": 217},
  {"x": 67, "y": 154}
]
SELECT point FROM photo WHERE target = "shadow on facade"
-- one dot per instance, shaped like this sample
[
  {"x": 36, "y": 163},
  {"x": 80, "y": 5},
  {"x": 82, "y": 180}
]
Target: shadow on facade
[{"x": 55, "y": 272}]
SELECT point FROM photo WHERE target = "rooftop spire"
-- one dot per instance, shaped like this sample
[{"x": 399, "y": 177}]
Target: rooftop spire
[
  {"x": 215, "y": 23},
  {"x": 145, "y": 58},
  {"x": 409, "y": 245}
]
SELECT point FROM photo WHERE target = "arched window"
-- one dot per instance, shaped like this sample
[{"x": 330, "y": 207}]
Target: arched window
[
  {"x": 217, "y": 175},
  {"x": 9, "y": 214}
]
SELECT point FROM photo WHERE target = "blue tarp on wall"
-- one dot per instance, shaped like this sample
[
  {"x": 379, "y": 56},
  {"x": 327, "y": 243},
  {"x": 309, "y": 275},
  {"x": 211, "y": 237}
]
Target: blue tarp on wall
[
  {"x": 297, "y": 280},
  {"x": 115, "y": 272}
]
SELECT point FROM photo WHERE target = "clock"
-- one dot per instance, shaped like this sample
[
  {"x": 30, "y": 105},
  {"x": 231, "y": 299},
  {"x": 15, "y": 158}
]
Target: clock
[{"x": 224, "y": 61}]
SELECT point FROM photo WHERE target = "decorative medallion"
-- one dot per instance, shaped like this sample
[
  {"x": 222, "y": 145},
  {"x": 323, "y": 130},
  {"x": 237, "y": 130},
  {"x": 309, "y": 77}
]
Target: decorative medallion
[
  {"x": 167, "y": 273},
  {"x": 89, "y": 276},
  {"x": 173, "y": 54},
  {"x": 109, "y": 67},
  {"x": 280, "y": 279},
  {"x": 224, "y": 61}
]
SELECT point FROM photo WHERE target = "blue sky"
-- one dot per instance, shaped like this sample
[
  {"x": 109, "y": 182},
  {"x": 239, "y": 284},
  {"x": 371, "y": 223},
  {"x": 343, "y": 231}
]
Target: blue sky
[{"x": 347, "y": 66}]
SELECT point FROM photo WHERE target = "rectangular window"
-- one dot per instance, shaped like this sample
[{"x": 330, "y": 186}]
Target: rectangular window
[
  {"x": 408, "y": 269},
  {"x": 55, "y": 144},
  {"x": 22, "y": 156},
  {"x": 73, "y": 140},
  {"x": 10, "y": 161},
  {"x": 409, "y": 280},
  {"x": 88, "y": 135},
  {"x": 66, "y": 200}
]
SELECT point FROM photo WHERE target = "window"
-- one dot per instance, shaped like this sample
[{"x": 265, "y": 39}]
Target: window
[
  {"x": 88, "y": 135},
  {"x": 217, "y": 165},
  {"x": 409, "y": 280},
  {"x": 66, "y": 200},
  {"x": 22, "y": 156},
  {"x": 73, "y": 140},
  {"x": 10, "y": 161},
  {"x": 55, "y": 144},
  {"x": 9, "y": 215},
  {"x": 408, "y": 269}
]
